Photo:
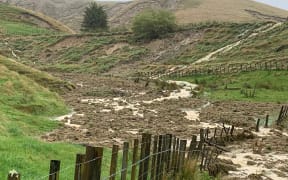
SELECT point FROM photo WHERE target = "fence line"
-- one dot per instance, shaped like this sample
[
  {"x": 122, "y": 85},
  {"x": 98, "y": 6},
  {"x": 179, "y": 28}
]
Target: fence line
[
  {"x": 218, "y": 69},
  {"x": 153, "y": 158}
]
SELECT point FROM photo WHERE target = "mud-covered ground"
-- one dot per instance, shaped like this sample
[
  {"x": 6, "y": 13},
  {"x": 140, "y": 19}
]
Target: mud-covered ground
[{"x": 110, "y": 110}]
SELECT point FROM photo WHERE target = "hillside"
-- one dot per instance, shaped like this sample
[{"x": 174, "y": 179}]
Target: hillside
[
  {"x": 187, "y": 11},
  {"x": 25, "y": 111},
  {"x": 177, "y": 84},
  {"x": 16, "y": 20}
]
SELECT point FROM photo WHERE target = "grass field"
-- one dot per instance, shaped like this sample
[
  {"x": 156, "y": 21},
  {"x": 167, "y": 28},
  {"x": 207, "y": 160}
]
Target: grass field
[
  {"x": 18, "y": 21},
  {"x": 25, "y": 112},
  {"x": 19, "y": 28},
  {"x": 270, "y": 86}
]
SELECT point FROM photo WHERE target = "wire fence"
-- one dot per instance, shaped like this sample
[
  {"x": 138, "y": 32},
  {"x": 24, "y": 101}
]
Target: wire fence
[
  {"x": 146, "y": 158},
  {"x": 154, "y": 158},
  {"x": 216, "y": 69}
]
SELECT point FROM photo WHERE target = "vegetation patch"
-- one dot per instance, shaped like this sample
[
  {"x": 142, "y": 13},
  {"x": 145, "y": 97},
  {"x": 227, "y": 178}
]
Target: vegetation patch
[{"x": 267, "y": 86}]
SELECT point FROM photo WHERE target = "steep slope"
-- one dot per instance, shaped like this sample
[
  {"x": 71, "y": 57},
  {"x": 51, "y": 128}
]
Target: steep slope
[
  {"x": 15, "y": 20},
  {"x": 227, "y": 10},
  {"x": 187, "y": 11},
  {"x": 25, "y": 111}
]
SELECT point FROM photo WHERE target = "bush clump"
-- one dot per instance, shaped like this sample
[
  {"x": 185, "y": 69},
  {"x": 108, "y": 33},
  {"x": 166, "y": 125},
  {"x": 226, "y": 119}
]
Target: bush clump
[{"x": 153, "y": 24}]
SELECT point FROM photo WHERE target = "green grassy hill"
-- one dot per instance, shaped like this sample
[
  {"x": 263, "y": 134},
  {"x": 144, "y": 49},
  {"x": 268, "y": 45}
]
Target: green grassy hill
[
  {"x": 26, "y": 109},
  {"x": 28, "y": 101},
  {"x": 19, "y": 21}
]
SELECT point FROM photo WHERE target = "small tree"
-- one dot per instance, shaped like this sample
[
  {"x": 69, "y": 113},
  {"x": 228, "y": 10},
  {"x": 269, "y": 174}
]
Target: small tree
[
  {"x": 152, "y": 24},
  {"x": 95, "y": 18}
]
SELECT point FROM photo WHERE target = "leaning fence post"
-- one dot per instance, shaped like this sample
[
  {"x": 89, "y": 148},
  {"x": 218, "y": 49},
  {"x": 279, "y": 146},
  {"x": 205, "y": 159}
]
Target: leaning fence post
[
  {"x": 257, "y": 125},
  {"x": 92, "y": 169},
  {"x": 125, "y": 160},
  {"x": 54, "y": 170},
  {"x": 192, "y": 147},
  {"x": 203, "y": 153},
  {"x": 79, "y": 167},
  {"x": 113, "y": 165},
  {"x": 134, "y": 159},
  {"x": 14, "y": 175}
]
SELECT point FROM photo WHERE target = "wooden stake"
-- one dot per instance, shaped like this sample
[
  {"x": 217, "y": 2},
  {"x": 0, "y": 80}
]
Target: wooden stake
[
  {"x": 113, "y": 164},
  {"x": 54, "y": 170}
]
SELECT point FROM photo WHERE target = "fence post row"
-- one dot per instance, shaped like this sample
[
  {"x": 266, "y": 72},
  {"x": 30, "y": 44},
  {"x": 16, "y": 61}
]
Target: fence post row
[{"x": 169, "y": 155}]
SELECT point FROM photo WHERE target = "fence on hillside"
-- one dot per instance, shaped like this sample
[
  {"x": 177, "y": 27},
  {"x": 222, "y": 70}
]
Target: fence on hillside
[
  {"x": 152, "y": 157},
  {"x": 217, "y": 69}
]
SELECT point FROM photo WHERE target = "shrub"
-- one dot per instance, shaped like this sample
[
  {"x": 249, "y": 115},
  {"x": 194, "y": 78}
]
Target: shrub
[
  {"x": 152, "y": 24},
  {"x": 95, "y": 18}
]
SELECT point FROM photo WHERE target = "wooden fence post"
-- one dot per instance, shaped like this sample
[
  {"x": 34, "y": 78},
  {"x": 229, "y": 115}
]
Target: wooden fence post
[
  {"x": 125, "y": 160},
  {"x": 266, "y": 121},
  {"x": 54, "y": 170},
  {"x": 13, "y": 175},
  {"x": 182, "y": 152},
  {"x": 203, "y": 153},
  {"x": 177, "y": 155},
  {"x": 278, "y": 122},
  {"x": 201, "y": 142},
  {"x": 145, "y": 153},
  {"x": 92, "y": 169},
  {"x": 147, "y": 158},
  {"x": 173, "y": 156},
  {"x": 159, "y": 158},
  {"x": 134, "y": 159},
  {"x": 79, "y": 167},
  {"x": 192, "y": 147},
  {"x": 169, "y": 139},
  {"x": 257, "y": 125},
  {"x": 153, "y": 163},
  {"x": 142, "y": 154},
  {"x": 113, "y": 164}
]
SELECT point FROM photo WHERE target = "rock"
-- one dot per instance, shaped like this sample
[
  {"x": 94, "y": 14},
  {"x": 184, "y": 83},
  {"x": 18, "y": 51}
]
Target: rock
[{"x": 251, "y": 163}]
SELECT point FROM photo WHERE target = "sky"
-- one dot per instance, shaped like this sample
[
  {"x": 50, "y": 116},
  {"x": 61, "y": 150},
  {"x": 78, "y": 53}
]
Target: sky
[{"x": 283, "y": 4}]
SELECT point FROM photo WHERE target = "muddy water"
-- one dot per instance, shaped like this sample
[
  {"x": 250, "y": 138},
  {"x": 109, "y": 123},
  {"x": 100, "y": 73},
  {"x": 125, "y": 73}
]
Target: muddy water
[
  {"x": 119, "y": 103},
  {"x": 266, "y": 163}
]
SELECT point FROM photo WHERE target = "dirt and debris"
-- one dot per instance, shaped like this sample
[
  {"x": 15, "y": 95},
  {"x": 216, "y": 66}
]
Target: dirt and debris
[{"x": 110, "y": 110}]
